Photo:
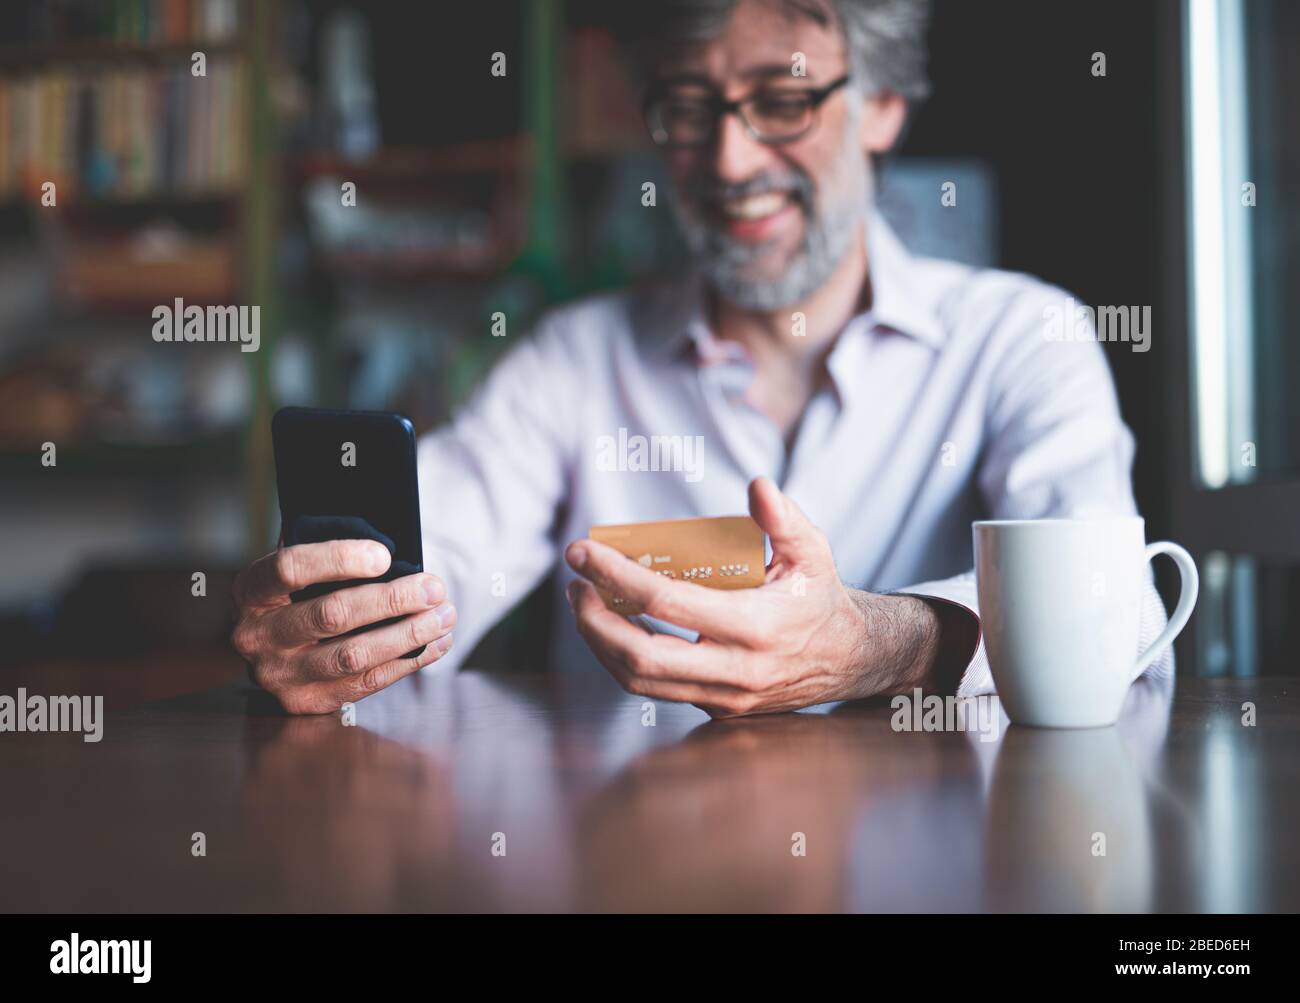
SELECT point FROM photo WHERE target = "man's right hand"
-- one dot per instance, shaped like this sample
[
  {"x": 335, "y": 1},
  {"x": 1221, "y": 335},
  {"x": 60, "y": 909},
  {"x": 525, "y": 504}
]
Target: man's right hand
[{"x": 295, "y": 650}]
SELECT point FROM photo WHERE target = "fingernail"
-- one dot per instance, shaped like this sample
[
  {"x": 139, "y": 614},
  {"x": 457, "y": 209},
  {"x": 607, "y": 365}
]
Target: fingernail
[
  {"x": 447, "y": 616},
  {"x": 443, "y": 644},
  {"x": 377, "y": 559},
  {"x": 577, "y": 556},
  {"x": 434, "y": 592},
  {"x": 568, "y": 592}
]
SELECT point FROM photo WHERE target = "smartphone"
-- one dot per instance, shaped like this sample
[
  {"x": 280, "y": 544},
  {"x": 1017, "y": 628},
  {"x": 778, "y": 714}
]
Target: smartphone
[{"x": 349, "y": 475}]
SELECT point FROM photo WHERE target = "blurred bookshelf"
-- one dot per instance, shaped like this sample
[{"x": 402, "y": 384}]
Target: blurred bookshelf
[
  {"x": 170, "y": 185},
  {"x": 473, "y": 196},
  {"x": 90, "y": 23},
  {"x": 456, "y": 212},
  {"x": 159, "y": 461},
  {"x": 123, "y": 131},
  {"x": 125, "y": 183},
  {"x": 110, "y": 148}
]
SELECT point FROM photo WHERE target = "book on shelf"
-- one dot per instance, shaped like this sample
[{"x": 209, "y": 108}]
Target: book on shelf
[
  {"x": 130, "y": 22},
  {"x": 123, "y": 131}
]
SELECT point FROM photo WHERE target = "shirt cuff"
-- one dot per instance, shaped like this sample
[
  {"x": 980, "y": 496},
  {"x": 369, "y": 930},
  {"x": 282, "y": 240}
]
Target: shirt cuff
[{"x": 960, "y": 666}]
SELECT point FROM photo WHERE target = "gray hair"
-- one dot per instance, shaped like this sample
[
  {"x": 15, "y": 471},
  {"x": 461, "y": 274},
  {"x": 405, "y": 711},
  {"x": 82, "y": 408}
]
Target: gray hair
[{"x": 885, "y": 38}]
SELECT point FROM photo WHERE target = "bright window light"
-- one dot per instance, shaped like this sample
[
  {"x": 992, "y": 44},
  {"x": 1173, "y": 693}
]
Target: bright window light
[{"x": 1220, "y": 306}]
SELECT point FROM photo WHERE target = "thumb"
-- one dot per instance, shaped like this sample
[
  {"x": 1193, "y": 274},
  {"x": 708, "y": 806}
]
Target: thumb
[{"x": 796, "y": 542}]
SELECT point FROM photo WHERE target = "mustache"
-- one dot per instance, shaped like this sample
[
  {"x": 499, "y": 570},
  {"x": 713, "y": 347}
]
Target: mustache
[{"x": 705, "y": 189}]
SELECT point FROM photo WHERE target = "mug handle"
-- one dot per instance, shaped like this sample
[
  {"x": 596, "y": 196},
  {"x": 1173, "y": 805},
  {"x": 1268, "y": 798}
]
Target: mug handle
[{"x": 1190, "y": 586}]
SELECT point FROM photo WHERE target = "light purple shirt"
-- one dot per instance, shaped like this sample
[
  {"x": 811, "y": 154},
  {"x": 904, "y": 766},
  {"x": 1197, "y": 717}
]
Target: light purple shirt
[{"x": 946, "y": 403}]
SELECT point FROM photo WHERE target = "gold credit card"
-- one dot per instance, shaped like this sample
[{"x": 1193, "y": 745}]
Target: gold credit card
[{"x": 721, "y": 553}]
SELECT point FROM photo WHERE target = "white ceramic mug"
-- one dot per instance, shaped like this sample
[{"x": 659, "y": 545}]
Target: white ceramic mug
[{"x": 1060, "y": 604}]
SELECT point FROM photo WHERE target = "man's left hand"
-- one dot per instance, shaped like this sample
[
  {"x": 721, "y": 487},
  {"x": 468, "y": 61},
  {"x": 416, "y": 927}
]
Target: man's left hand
[{"x": 802, "y": 638}]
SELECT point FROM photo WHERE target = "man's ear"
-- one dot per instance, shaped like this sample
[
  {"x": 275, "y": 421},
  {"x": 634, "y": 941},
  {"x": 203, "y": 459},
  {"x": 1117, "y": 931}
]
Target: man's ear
[{"x": 883, "y": 116}]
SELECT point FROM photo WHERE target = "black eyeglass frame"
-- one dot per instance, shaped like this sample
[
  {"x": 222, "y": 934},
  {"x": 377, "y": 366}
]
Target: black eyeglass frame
[{"x": 720, "y": 107}]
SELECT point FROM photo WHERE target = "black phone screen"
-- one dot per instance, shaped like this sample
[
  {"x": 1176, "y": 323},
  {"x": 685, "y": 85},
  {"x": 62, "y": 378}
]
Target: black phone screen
[{"x": 348, "y": 475}]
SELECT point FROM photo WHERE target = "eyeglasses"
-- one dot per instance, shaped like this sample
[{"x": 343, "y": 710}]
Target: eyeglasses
[{"x": 773, "y": 116}]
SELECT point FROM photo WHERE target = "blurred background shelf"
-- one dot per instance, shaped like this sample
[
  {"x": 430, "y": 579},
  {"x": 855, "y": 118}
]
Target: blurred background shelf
[
  {"x": 108, "y": 51},
  {"x": 86, "y": 27},
  {"x": 211, "y": 453},
  {"x": 473, "y": 195},
  {"x": 157, "y": 198},
  {"x": 510, "y": 155},
  {"x": 109, "y": 278}
]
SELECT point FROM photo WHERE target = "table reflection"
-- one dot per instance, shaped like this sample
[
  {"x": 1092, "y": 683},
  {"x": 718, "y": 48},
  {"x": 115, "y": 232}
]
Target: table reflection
[
  {"x": 716, "y": 821},
  {"x": 794, "y": 812},
  {"x": 336, "y": 817},
  {"x": 1068, "y": 826}
]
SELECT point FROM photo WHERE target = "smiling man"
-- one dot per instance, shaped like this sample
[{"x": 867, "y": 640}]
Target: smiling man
[{"x": 868, "y": 403}]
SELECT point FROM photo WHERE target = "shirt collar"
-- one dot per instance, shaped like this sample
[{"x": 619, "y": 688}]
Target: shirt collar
[{"x": 901, "y": 301}]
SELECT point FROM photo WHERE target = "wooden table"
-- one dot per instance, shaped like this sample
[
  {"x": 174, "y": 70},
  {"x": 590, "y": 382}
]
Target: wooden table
[{"x": 525, "y": 792}]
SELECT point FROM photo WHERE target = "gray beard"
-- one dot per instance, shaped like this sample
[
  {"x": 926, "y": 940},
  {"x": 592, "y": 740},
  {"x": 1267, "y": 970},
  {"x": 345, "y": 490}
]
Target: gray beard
[
  {"x": 828, "y": 232},
  {"x": 725, "y": 262}
]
